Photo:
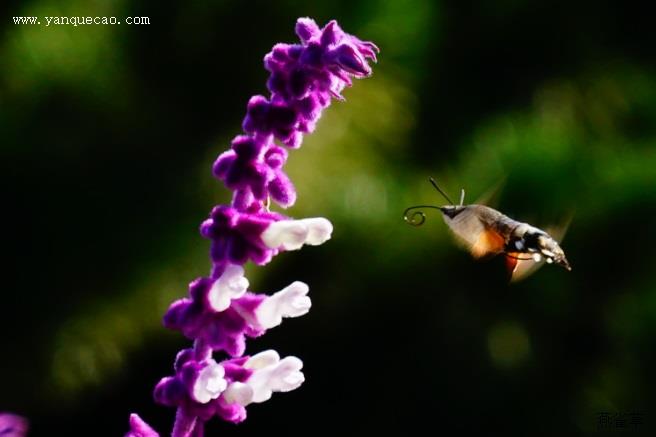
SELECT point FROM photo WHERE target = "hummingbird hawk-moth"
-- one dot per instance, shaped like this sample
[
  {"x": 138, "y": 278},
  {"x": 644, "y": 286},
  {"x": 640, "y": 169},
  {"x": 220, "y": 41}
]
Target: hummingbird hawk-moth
[{"x": 487, "y": 232}]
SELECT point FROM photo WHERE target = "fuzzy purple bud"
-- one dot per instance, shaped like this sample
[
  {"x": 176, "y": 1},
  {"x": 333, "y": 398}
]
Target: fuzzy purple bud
[
  {"x": 222, "y": 331},
  {"x": 306, "y": 29},
  {"x": 243, "y": 168},
  {"x": 138, "y": 428},
  {"x": 349, "y": 59}
]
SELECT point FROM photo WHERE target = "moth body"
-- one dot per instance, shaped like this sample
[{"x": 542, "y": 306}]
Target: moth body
[
  {"x": 484, "y": 231},
  {"x": 488, "y": 232}
]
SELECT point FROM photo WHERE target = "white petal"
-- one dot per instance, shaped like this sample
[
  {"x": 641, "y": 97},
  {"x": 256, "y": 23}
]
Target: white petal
[
  {"x": 320, "y": 230},
  {"x": 263, "y": 359},
  {"x": 286, "y": 234},
  {"x": 231, "y": 285},
  {"x": 292, "y": 234},
  {"x": 210, "y": 383},
  {"x": 282, "y": 376},
  {"x": 289, "y": 372},
  {"x": 238, "y": 393},
  {"x": 292, "y": 301}
]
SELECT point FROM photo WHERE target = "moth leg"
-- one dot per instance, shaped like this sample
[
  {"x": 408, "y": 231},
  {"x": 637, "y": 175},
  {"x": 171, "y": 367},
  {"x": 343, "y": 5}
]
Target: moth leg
[{"x": 511, "y": 263}]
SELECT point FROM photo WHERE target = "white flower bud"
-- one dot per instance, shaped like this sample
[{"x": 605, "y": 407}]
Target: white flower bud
[
  {"x": 291, "y": 301},
  {"x": 270, "y": 374},
  {"x": 231, "y": 285},
  {"x": 210, "y": 383},
  {"x": 292, "y": 234}
]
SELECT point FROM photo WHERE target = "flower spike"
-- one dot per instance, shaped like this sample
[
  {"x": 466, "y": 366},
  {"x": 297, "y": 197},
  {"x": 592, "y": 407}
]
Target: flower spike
[{"x": 220, "y": 312}]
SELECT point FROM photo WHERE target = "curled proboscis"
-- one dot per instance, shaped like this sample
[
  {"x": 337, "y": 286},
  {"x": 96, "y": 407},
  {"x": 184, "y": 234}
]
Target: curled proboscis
[{"x": 417, "y": 218}]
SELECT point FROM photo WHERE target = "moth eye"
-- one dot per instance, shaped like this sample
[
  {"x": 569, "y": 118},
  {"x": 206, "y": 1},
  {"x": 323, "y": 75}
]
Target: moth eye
[
  {"x": 531, "y": 241},
  {"x": 519, "y": 245}
]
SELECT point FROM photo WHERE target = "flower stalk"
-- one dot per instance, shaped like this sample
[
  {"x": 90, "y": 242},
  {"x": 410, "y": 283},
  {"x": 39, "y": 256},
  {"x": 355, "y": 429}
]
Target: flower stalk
[{"x": 220, "y": 312}]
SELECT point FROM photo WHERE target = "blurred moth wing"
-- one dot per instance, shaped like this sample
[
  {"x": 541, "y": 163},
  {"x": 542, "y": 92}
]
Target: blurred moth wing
[
  {"x": 468, "y": 225},
  {"x": 491, "y": 196}
]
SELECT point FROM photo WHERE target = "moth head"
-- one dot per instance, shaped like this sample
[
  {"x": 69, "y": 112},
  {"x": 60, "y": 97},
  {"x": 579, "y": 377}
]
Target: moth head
[
  {"x": 418, "y": 218},
  {"x": 450, "y": 211}
]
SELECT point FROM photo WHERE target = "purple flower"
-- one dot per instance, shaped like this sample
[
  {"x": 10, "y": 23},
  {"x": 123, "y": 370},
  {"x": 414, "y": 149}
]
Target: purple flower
[
  {"x": 139, "y": 428},
  {"x": 235, "y": 235},
  {"x": 280, "y": 188},
  {"x": 270, "y": 118},
  {"x": 12, "y": 425},
  {"x": 293, "y": 234},
  {"x": 196, "y": 384},
  {"x": 256, "y": 167},
  {"x": 204, "y": 388},
  {"x": 320, "y": 65},
  {"x": 223, "y": 331},
  {"x": 220, "y": 313},
  {"x": 268, "y": 374},
  {"x": 304, "y": 78},
  {"x": 241, "y": 236}
]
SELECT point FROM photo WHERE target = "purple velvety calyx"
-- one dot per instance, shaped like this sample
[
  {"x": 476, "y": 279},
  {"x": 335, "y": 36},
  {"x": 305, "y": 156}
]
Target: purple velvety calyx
[
  {"x": 12, "y": 425},
  {"x": 221, "y": 312}
]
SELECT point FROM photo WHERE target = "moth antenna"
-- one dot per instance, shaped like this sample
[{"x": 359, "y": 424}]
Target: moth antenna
[
  {"x": 432, "y": 181},
  {"x": 417, "y": 218},
  {"x": 462, "y": 196}
]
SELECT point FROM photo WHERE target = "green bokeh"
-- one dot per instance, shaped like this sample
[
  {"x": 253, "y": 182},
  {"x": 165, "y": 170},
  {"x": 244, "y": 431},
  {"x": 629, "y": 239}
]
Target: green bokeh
[{"x": 548, "y": 110}]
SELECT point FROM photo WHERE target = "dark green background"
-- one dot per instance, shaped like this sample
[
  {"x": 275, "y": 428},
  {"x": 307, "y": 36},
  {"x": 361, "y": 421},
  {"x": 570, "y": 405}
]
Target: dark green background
[{"x": 107, "y": 135}]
